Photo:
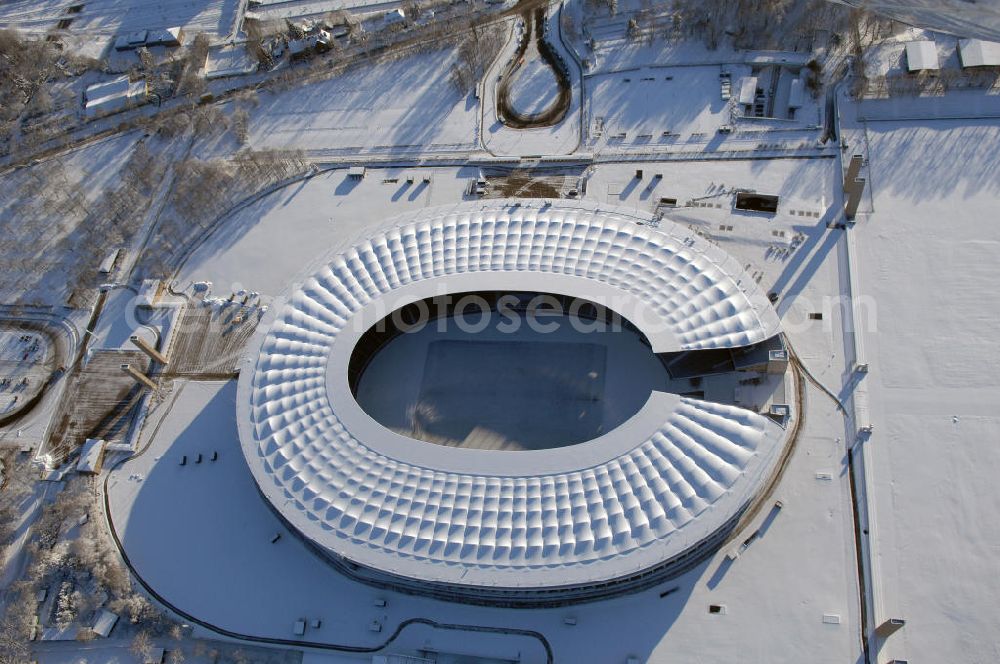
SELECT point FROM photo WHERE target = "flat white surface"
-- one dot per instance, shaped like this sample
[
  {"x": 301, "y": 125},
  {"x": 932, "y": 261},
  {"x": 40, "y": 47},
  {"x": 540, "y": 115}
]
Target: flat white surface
[
  {"x": 978, "y": 53},
  {"x": 921, "y": 55},
  {"x": 522, "y": 389},
  {"x": 403, "y": 107},
  {"x": 109, "y": 17},
  {"x": 928, "y": 271}
]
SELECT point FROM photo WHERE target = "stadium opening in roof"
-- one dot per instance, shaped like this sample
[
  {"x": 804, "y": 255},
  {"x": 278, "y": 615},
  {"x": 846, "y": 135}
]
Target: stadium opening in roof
[
  {"x": 388, "y": 453},
  {"x": 504, "y": 371}
]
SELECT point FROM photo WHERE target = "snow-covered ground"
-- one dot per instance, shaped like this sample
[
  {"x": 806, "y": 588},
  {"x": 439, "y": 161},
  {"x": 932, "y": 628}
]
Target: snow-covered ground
[
  {"x": 650, "y": 101},
  {"x": 979, "y": 19},
  {"x": 534, "y": 87},
  {"x": 326, "y": 210},
  {"x": 333, "y": 209},
  {"x": 926, "y": 254},
  {"x": 119, "y": 651},
  {"x": 403, "y": 108},
  {"x": 957, "y": 104},
  {"x": 802, "y": 184},
  {"x": 27, "y": 359},
  {"x": 208, "y": 550},
  {"x": 110, "y": 17},
  {"x": 42, "y": 209}
]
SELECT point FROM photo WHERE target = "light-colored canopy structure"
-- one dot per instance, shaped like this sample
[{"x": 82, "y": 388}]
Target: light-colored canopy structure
[{"x": 483, "y": 525}]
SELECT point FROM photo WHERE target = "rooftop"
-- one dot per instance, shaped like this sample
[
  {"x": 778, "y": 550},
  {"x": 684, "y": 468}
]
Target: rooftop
[
  {"x": 921, "y": 55},
  {"x": 979, "y": 53}
]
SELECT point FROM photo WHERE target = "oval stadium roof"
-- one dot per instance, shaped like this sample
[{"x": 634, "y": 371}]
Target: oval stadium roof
[{"x": 470, "y": 522}]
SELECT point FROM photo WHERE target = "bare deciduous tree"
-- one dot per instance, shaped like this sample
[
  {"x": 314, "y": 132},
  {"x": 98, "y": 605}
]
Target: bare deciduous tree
[
  {"x": 142, "y": 645},
  {"x": 241, "y": 126}
]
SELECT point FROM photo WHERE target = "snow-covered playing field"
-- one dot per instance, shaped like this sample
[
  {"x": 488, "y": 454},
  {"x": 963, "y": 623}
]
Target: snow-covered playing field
[{"x": 497, "y": 388}]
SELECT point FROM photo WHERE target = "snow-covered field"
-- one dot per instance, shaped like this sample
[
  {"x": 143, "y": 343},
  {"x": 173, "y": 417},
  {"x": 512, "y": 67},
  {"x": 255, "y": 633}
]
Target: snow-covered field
[
  {"x": 529, "y": 388},
  {"x": 980, "y": 19},
  {"x": 265, "y": 245},
  {"x": 42, "y": 210},
  {"x": 26, "y": 361},
  {"x": 927, "y": 260},
  {"x": 332, "y": 209},
  {"x": 804, "y": 186},
  {"x": 109, "y": 17},
  {"x": 401, "y": 108},
  {"x": 651, "y": 101},
  {"x": 534, "y": 87}
]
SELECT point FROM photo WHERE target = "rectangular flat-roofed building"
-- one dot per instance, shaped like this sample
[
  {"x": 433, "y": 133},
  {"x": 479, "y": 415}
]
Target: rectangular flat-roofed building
[
  {"x": 105, "y": 622},
  {"x": 131, "y": 40},
  {"x": 796, "y": 93},
  {"x": 112, "y": 96},
  {"x": 979, "y": 53},
  {"x": 922, "y": 56},
  {"x": 91, "y": 457},
  {"x": 748, "y": 90},
  {"x": 165, "y": 37}
]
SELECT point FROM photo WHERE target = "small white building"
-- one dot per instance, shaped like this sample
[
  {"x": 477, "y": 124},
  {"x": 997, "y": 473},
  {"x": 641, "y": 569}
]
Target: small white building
[
  {"x": 158, "y": 37},
  {"x": 111, "y": 96},
  {"x": 132, "y": 40},
  {"x": 979, "y": 53},
  {"x": 229, "y": 60},
  {"x": 922, "y": 56},
  {"x": 149, "y": 291},
  {"x": 108, "y": 263},
  {"x": 748, "y": 90},
  {"x": 106, "y": 621},
  {"x": 796, "y": 94},
  {"x": 91, "y": 457},
  {"x": 165, "y": 37}
]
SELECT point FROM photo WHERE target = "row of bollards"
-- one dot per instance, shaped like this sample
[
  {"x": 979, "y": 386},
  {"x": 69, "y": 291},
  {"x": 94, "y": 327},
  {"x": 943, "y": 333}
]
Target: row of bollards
[{"x": 199, "y": 458}]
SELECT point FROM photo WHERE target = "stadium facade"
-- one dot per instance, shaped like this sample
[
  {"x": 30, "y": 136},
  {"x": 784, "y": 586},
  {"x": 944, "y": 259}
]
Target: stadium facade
[{"x": 618, "y": 513}]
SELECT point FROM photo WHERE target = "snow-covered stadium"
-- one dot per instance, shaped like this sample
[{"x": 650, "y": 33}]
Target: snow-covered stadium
[{"x": 618, "y": 511}]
